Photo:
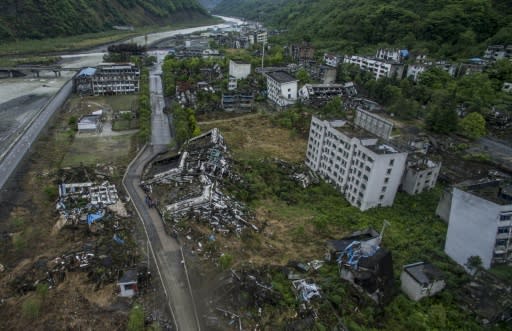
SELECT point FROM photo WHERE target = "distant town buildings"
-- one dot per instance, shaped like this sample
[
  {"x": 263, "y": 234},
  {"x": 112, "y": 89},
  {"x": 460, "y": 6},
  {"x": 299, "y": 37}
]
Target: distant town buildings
[
  {"x": 379, "y": 68},
  {"x": 480, "y": 222},
  {"x": 321, "y": 93},
  {"x": 332, "y": 60},
  {"x": 302, "y": 52},
  {"x": 281, "y": 88}
]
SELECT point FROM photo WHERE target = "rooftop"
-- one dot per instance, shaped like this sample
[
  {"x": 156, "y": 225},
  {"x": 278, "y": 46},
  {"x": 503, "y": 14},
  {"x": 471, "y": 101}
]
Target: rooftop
[
  {"x": 87, "y": 72},
  {"x": 495, "y": 190},
  {"x": 129, "y": 276},
  {"x": 424, "y": 273},
  {"x": 281, "y": 77},
  {"x": 89, "y": 119},
  {"x": 238, "y": 61}
]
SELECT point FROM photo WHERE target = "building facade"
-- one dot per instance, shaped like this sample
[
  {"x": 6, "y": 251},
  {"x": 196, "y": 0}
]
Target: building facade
[
  {"x": 332, "y": 60},
  {"x": 239, "y": 69},
  {"x": 366, "y": 171},
  {"x": 379, "y": 68},
  {"x": 113, "y": 79},
  {"x": 420, "y": 175},
  {"x": 480, "y": 222},
  {"x": 420, "y": 280},
  {"x": 373, "y": 123},
  {"x": 281, "y": 88}
]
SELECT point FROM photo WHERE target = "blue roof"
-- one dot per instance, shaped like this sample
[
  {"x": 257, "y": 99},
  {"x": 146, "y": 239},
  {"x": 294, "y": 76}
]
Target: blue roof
[
  {"x": 87, "y": 72},
  {"x": 91, "y": 218}
]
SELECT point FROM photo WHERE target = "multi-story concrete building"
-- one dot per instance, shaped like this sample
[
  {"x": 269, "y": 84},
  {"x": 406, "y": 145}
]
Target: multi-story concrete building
[
  {"x": 302, "y": 52},
  {"x": 379, "y": 68},
  {"x": 414, "y": 71},
  {"x": 365, "y": 170},
  {"x": 480, "y": 222},
  {"x": 239, "y": 69},
  {"x": 420, "y": 175},
  {"x": 332, "y": 60},
  {"x": 108, "y": 78},
  {"x": 387, "y": 54},
  {"x": 325, "y": 92},
  {"x": 281, "y": 88}
]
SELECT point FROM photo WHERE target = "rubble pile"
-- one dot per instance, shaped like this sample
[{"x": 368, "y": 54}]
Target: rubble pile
[
  {"x": 298, "y": 173},
  {"x": 196, "y": 183}
]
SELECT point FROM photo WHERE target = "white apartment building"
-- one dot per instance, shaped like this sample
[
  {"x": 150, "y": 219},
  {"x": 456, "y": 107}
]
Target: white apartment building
[
  {"x": 239, "y": 69},
  {"x": 281, "y": 88},
  {"x": 331, "y": 60},
  {"x": 373, "y": 123},
  {"x": 480, "y": 222},
  {"x": 389, "y": 54},
  {"x": 111, "y": 78},
  {"x": 379, "y": 68},
  {"x": 366, "y": 171}
]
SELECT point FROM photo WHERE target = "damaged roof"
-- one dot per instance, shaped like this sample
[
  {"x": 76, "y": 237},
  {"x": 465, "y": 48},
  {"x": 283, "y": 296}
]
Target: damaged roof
[{"x": 424, "y": 273}]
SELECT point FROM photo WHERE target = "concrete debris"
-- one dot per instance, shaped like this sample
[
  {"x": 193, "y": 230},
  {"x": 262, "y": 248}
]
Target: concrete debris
[
  {"x": 306, "y": 290},
  {"x": 2, "y": 268},
  {"x": 192, "y": 188}
]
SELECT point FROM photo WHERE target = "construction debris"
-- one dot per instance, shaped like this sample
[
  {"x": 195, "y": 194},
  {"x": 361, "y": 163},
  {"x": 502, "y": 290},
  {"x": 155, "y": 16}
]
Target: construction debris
[
  {"x": 192, "y": 188},
  {"x": 306, "y": 290}
]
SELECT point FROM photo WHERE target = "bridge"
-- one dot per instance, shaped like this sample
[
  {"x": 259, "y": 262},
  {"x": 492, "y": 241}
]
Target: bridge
[{"x": 35, "y": 70}]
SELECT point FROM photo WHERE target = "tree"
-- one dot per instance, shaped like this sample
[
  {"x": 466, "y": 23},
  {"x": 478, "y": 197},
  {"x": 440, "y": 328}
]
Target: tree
[
  {"x": 303, "y": 76},
  {"x": 472, "y": 126},
  {"x": 136, "y": 319},
  {"x": 474, "y": 263},
  {"x": 441, "y": 120}
]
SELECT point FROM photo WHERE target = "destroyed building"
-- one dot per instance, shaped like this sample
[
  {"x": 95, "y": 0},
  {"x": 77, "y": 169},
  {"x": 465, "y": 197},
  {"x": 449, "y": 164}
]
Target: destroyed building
[
  {"x": 192, "y": 188},
  {"x": 364, "y": 263},
  {"x": 108, "y": 79},
  {"x": 420, "y": 280}
]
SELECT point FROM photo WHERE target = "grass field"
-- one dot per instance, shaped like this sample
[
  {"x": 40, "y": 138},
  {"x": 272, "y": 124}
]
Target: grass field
[
  {"x": 93, "y": 150},
  {"x": 253, "y": 137}
]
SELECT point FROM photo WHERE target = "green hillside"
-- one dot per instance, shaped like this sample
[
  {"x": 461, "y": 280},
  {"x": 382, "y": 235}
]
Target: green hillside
[
  {"x": 441, "y": 27},
  {"x": 36, "y": 19}
]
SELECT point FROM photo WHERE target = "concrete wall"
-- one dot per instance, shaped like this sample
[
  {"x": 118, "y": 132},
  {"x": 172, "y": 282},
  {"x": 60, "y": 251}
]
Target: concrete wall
[
  {"x": 416, "y": 291},
  {"x": 416, "y": 181},
  {"x": 373, "y": 123},
  {"x": 239, "y": 70},
  {"x": 444, "y": 205},
  {"x": 472, "y": 228}
]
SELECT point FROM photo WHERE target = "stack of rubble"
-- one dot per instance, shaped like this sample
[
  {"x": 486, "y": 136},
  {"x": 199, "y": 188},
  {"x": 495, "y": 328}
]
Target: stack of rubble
[{"x": 198, "y": 179}]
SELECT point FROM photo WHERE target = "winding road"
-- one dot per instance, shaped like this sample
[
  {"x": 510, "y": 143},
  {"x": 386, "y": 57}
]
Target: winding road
[{"x": 165, "y": 250}]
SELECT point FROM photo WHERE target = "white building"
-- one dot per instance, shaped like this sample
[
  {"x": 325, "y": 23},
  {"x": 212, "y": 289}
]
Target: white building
[
  {"x": 232, "y": 83},
  {"x": 388, "y": 54},
  {"x": 480, "y": 222},
  {"x": 89, "y": 123},
  {"x": 331, "y": 60},
  {"x": 281, "y": 88},
  {"x": 239, "y": 69},
  {"x": 113, "y": 79},
  {"x": 366, "y": 171},
  {"x": 261, "y": 37},
  {"x": 327, "y": 91},
  {"x": 420, "y": 175},
  {"x": 414, "y": 71},
  {"x": 420, "y": 280},
  {"x": 128, "y": 284},
  {"x": 379, "y": 68}
]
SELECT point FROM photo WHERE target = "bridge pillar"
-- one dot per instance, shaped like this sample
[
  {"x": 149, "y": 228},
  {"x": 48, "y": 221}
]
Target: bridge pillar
[{"x": 11, "y": 74}]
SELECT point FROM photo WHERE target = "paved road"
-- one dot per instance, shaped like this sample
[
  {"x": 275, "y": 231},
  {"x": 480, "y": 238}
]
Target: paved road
[
  {"x": 165, "y": 249},
  {"x": 11, "y": 158},
  {"x": 499, "y": 151}
]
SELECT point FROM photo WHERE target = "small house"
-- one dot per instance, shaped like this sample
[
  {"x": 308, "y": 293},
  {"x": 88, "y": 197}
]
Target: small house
[
  {"x": 128, "y": 283},
  {"x": 89, "y": 123},
  {"x": 420, "y": 280}
]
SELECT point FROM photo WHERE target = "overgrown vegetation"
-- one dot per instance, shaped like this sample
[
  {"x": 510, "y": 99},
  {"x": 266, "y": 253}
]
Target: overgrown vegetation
[
  {"x": 185, "y": 123},
  {"x": 442, "y": 28},
  {"x": 144, "y": 106}
]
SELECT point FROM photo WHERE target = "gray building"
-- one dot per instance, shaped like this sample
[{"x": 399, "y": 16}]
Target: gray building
[
  {"x": 480, "y": 222},
  {"x": 420, "y": 174},
  {"x": 420, "y": 280},
  {"x": 89, "y": 123},
  {"x": 373, "y": 123}
]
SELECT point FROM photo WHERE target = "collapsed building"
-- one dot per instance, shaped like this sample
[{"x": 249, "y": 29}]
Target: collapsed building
[
  {"x": 197, "y": 174},
  {"x": 108, "y": 79},
  {"x": 364, "y": 263}
]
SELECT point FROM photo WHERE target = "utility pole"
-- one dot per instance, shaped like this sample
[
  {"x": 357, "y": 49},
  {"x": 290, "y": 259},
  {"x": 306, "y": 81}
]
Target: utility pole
[{"x": 262, "y": 56}]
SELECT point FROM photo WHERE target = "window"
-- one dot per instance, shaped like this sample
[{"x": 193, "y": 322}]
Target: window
[
  {"x": 386, "y": 180},
  {"x": 506, "y": 217},
  {"x": 381, "y": 197},
  {"x": 383, "y": 189},
  {"x": 391, "y": 162},
  {"x": 388, "y": 172},
  {"x": 503, "y": 229}
]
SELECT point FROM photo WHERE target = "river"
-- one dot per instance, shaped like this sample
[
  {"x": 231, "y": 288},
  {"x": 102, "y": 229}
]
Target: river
[{"x": 22, "y": 98}]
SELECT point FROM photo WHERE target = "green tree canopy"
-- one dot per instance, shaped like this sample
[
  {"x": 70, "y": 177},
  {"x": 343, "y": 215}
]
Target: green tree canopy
[{"x": 472, "y": 126}]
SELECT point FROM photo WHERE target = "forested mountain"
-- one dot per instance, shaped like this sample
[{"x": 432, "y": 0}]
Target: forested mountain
[
  {"x": 209, "y": 4},
  {"x": 441, "y": 27},
  {"x": 49, "y": 18}
]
